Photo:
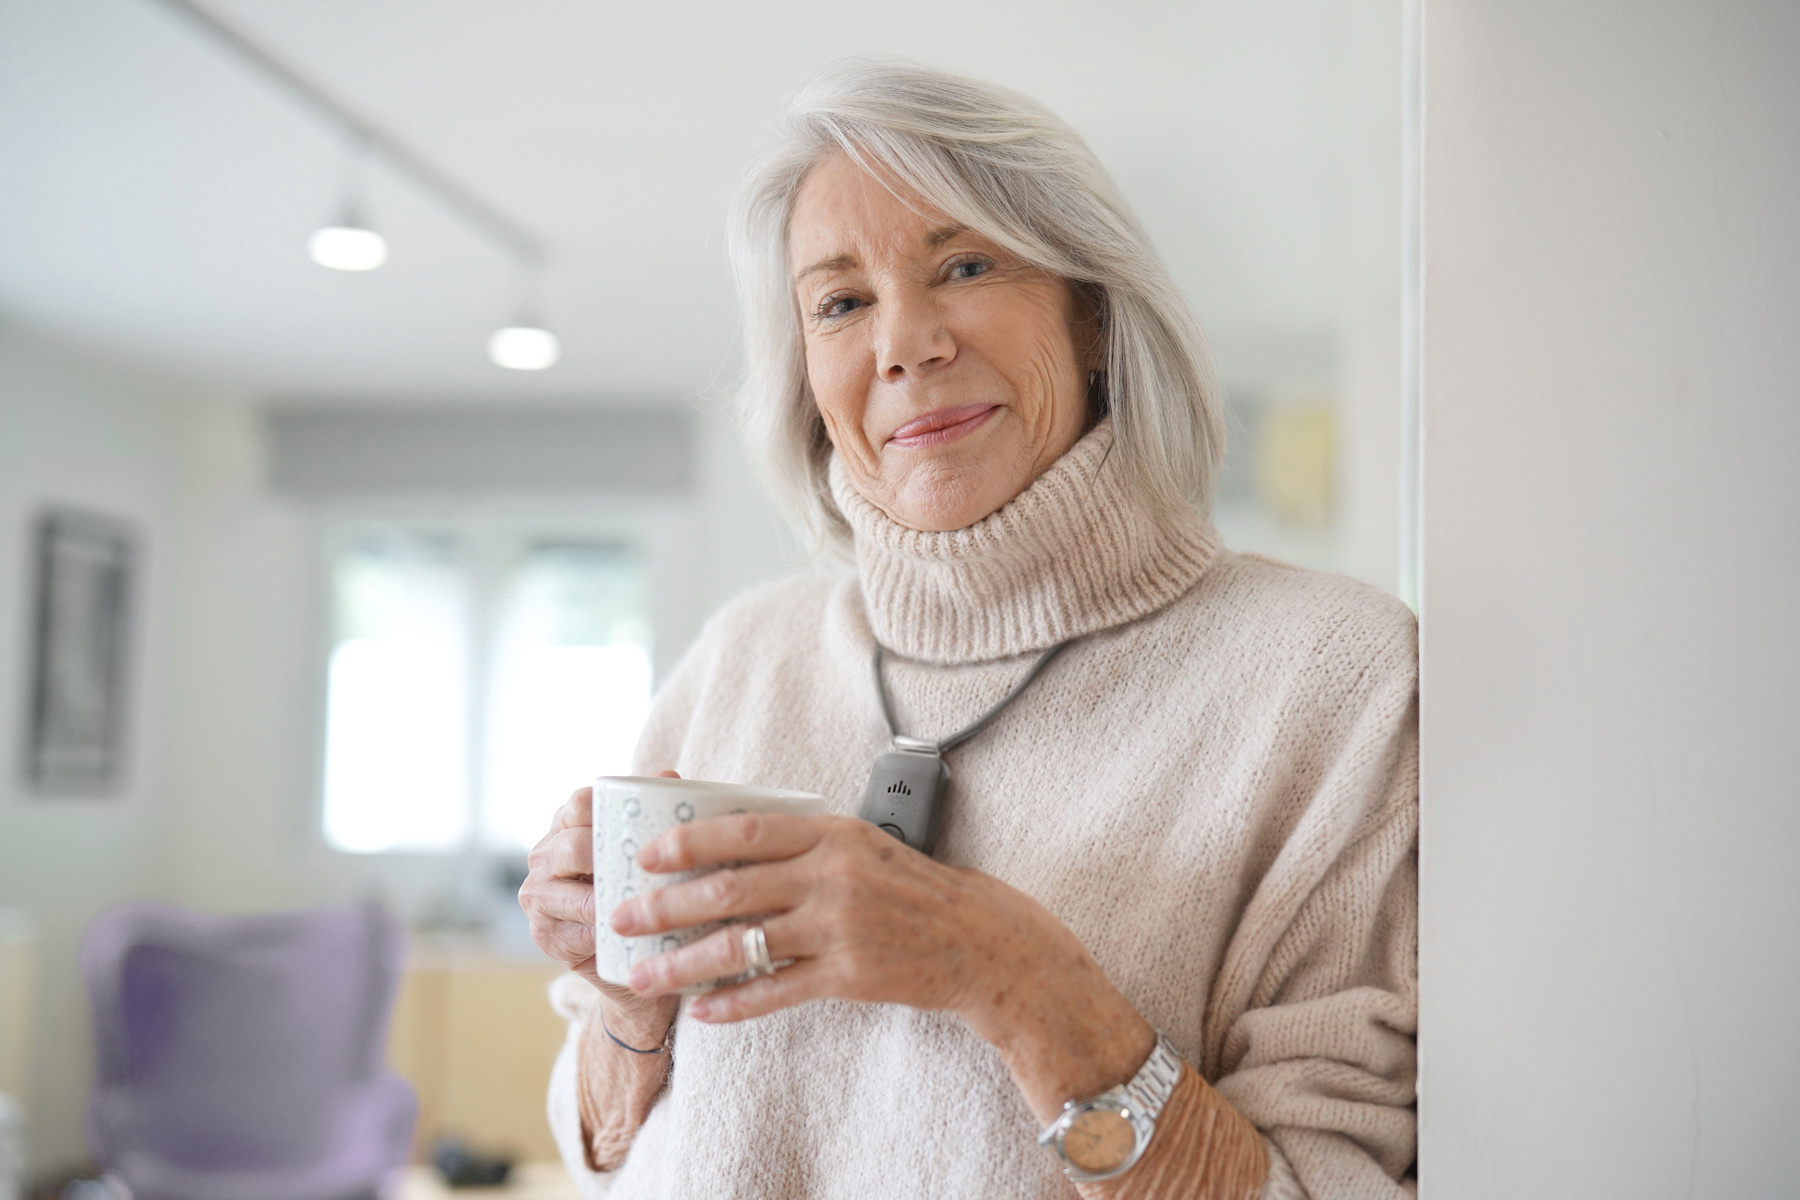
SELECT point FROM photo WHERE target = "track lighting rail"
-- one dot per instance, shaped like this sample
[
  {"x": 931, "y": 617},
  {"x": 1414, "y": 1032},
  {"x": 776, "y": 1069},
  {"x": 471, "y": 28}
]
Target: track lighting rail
[{"x": 515, "y": 238}]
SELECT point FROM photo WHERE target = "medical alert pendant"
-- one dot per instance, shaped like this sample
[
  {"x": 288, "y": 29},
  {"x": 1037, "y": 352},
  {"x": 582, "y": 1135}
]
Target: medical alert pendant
[{"x": 905, "y": 793}]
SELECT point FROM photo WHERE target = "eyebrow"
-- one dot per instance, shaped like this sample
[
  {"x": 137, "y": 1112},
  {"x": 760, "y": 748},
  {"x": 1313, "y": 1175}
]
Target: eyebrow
[{"x": 838, "y": 262}]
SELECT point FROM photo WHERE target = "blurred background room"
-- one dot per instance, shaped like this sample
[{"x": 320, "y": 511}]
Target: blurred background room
[{"x": 314, "y": 591}]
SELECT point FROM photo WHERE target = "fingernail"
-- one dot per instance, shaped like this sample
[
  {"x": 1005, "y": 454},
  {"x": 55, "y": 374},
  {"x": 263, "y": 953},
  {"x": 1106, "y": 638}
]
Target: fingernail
[
  {"x": 650, "y": 857},
  {"x": 701, "y": 1010},
  {"x": 624, "y": 918},
  {"x": 638, "y": 979}
]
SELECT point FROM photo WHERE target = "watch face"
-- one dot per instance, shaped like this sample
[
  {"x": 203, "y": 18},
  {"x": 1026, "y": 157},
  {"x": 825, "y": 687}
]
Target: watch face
[{"x": 1098, "y": 1140}]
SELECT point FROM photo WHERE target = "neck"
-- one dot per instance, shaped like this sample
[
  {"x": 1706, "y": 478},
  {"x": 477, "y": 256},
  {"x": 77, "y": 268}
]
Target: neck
[{"x": 1075, "y": 553}]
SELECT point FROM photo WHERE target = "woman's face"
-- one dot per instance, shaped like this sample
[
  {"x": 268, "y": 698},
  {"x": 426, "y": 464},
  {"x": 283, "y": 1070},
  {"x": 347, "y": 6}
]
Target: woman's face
[{"x": 949, "y": 374}]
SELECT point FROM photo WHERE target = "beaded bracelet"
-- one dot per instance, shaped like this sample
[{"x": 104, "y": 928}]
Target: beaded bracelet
[{"x": 663, "y": 1049}]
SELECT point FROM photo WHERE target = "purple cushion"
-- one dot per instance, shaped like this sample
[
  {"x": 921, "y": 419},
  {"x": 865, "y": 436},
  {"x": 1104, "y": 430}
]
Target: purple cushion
[{"x": 243, "y": 1056}]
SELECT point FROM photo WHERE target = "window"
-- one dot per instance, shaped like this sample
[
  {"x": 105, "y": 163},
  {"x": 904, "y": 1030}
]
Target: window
[
  {"x": 396, "y": 695},
  {"x": 474, "y": 679},
  {"x": 570, "y": 685}
]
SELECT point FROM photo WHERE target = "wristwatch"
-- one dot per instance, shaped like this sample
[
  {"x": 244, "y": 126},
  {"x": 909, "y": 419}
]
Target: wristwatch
[{"x": 1102, "y": 1137}]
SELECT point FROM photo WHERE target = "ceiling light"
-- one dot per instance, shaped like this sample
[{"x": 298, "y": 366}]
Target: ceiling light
[
  {"x": 524, "y": 348},
  {"x": 347, "y": 248}
]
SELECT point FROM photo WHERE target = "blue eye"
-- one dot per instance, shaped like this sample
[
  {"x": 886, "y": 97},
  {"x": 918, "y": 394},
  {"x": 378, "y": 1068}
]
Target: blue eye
[
  {"x": 837, "y": 306},
  {"x": 968, "y": 269}
]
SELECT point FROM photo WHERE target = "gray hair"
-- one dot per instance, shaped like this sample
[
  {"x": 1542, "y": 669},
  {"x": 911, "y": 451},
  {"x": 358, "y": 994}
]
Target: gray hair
[{"x": 1007, "y": 168}]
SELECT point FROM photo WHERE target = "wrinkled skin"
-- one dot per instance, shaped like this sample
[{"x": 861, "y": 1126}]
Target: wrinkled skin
[
  {"x": 949, "y": 375},
  {"x": 905, "y": 314}
]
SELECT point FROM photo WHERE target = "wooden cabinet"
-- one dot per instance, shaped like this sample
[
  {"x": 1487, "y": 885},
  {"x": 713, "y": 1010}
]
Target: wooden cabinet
[{"x": 474, "y": 1033}]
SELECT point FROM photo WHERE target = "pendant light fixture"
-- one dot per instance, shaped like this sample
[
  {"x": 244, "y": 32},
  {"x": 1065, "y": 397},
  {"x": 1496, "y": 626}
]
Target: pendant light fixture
[
  {"x": 349, "y": 244},
  {"x": 526, "y": 345}
]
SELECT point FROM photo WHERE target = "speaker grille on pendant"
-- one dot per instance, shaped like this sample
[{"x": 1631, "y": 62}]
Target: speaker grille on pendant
[{"x": 899, "y": 788}]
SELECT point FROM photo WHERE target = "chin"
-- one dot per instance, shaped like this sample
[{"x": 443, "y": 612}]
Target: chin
[{"x": 949, "y": 504}]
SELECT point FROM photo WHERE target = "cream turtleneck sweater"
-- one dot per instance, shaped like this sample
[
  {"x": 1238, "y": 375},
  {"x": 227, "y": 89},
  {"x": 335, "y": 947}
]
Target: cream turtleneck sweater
[{"x": 1215, "y": 789}]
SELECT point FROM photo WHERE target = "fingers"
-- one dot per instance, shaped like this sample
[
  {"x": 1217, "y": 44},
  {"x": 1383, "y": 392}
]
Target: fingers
[
  {"x": 747, "y": 837},
  {"x": 558, "y": 896},
  {"x": 558, "y": 900},
  {"x": 714, "y": 956},
  {"x": 565, "y": 941},
  {"x": 719, "y": 896},
  {"x": 565, "y": 854},
  {"x": 718, "y": 955},
  {"x": 857, "y": 916},
  {"x": 807, "y": 980},
  {"x": 577, "y": 810}
]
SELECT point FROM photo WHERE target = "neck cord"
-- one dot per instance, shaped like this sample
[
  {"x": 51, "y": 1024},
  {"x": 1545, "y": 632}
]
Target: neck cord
[
  {"x": 907, "y": 785},
  {"x": 957, "y": 739}
]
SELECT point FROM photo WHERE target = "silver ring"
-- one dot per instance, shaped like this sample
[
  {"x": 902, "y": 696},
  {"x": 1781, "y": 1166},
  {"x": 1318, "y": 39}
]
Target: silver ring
[{"x": 756, "y": 952}]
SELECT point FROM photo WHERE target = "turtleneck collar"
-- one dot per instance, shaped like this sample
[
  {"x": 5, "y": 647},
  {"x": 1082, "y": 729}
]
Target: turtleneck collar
[{"x": 1074, "y": 553}]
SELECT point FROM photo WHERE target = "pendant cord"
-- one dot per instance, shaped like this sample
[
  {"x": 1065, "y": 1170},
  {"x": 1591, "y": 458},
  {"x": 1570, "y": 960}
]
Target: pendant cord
[{"x": 957, "y": 739}]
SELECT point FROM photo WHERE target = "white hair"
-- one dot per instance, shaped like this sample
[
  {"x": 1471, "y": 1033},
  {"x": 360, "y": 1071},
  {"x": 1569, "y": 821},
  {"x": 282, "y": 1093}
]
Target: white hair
[{"x": 1005, "y": 167}]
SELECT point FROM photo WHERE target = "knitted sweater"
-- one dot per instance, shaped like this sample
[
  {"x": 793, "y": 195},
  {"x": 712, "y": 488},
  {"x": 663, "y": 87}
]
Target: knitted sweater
[{"x": 1214, "y": 788}]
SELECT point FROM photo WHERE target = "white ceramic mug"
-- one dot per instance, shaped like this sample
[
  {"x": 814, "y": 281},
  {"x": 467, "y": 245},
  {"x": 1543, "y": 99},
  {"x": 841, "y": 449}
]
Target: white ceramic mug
[{"x": 631, "y": 811}]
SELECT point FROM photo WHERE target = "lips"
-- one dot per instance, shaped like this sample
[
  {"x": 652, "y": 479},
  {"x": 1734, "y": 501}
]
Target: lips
[{"x": 942, "y": 425}]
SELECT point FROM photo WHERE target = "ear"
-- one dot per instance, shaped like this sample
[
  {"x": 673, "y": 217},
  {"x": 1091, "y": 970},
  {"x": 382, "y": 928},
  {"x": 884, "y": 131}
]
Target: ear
[{"x": 1087, "y": 323}]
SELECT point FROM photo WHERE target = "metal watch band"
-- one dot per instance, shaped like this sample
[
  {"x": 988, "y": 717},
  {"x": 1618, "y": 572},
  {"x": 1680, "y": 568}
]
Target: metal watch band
[
  {"x": 1143, "y": 1098},
  {"x": 1155, "y": 1081}
]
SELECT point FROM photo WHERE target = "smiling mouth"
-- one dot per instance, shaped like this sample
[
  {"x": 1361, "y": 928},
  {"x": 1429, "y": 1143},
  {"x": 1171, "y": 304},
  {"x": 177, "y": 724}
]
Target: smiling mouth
[{"x": 942, "y": 426}]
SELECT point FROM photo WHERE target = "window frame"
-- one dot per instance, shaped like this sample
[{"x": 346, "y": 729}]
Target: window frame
[{"x": 493, "y": 530}]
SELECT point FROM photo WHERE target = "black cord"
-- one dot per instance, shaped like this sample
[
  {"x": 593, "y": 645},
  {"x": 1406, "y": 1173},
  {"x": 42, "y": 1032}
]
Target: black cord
[
  {"x": 957, "y": 739},
  {"x": 621, "y": 1045}
]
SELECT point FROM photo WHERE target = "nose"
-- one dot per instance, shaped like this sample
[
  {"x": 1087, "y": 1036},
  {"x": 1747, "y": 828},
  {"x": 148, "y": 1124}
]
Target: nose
[{"x": 911, "y": 340}]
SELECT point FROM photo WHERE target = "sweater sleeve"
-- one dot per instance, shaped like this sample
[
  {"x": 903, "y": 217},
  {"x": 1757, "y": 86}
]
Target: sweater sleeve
[
  {"x": 1311, "y": 1029},
  {"x": 1281, "y": 1184},
  {"x": 573, "y": 1000}
]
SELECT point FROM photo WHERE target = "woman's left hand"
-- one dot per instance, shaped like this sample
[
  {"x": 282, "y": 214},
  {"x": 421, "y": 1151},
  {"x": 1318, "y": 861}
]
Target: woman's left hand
[{"x": 866, "y": 918}]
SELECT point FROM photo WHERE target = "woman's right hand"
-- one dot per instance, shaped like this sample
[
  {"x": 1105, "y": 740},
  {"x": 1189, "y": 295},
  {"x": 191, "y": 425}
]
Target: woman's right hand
[
  {"x": 558, "y": 899},
  {"x": 615, "y": 1089}
]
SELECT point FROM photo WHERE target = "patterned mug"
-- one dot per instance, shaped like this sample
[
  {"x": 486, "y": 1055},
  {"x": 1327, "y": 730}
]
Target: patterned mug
[{"x": 630, "y": 811}]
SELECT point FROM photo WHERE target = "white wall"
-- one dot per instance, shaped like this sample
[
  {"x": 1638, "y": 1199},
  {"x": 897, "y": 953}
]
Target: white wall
[
  {"x": 78, "y": 431},
  {"x": 1368, "y": 371},
  {"x": 1611, "y": 660},
  {"x": 220, "y": 812}
]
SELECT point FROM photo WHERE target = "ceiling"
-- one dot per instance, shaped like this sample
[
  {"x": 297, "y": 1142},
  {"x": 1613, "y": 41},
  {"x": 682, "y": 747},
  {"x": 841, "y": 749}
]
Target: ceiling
[{"x": 156, "y": 194}]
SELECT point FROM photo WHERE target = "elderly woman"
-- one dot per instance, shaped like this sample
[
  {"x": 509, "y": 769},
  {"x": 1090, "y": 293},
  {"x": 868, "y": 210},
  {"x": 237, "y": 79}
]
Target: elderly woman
[{"x": 1164, "y": 942}]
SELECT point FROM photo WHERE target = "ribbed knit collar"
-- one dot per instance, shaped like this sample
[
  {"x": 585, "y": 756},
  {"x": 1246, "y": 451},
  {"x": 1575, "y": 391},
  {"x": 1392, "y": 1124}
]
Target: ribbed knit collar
[{"x": 1074, "y": 553}]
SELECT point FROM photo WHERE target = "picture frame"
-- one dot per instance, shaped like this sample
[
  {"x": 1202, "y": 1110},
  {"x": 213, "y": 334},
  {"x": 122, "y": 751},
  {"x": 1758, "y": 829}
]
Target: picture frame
[{"x": 85, "y": 587}]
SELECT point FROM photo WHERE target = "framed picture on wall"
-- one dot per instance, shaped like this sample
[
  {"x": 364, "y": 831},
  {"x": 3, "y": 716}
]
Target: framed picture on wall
[{"x": 85, "y": 582}]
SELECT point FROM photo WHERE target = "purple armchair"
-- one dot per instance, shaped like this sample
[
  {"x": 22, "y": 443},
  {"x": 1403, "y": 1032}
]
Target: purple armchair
[{"x": 241, "y": 1058}]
